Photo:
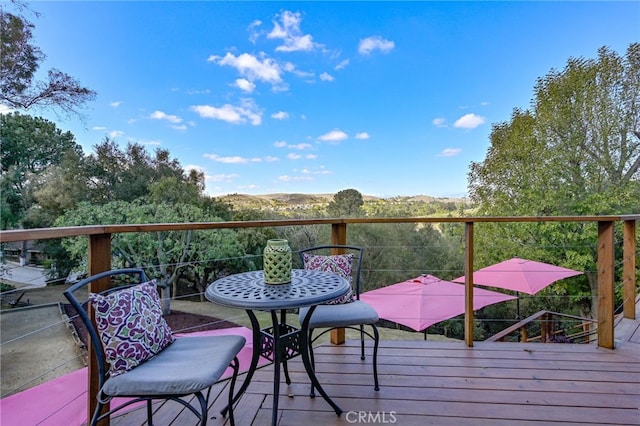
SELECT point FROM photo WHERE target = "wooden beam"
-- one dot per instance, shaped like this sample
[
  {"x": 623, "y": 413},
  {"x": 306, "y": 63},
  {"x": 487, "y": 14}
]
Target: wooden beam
[
  {"x": 99, "y": 261},
  {"x": 605, "y": 284},
  {"x": 629, "y": 270},
  {"x": 339, "y": 233},
  {"x": 468, "y": 284},
  {"x": 338, "y": 236}
]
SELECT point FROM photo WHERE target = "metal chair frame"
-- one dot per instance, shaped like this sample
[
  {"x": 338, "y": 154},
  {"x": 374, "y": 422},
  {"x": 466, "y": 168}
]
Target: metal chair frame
[
  {"x": 374, "y": 335},
  {"x": 103, "y": 373}
]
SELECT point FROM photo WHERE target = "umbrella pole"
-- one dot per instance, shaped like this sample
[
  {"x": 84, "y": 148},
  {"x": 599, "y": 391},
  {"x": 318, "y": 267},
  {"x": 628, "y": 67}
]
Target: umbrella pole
[{"x": 518, "y": 312}]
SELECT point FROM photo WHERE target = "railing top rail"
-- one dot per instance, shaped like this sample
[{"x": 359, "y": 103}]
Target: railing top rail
[{"x": 74, "y": 231}]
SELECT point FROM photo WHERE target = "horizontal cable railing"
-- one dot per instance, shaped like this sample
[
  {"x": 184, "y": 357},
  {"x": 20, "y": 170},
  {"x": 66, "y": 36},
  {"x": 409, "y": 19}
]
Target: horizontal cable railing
[{"x": 100, "y": 237}]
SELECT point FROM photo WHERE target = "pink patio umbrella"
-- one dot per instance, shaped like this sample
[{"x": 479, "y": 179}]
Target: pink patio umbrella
[
  {"x": 521, "y": 275},
  {"x": 426, "y": 300}
]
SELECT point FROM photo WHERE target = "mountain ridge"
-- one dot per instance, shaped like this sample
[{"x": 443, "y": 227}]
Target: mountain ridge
[{"x": 238, "y": 199}]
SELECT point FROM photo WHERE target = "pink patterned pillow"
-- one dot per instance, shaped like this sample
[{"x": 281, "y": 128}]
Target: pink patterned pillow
[
  {"x": 131, "y": 326},
  {"x": 338, "y": 264}
]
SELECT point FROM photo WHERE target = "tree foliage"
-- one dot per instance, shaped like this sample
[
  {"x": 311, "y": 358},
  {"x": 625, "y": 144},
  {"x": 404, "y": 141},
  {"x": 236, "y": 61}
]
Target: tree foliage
[
  {"x": 576, "y": 151},
  {"x": 346, "y": 203},
  {"x": 29, "y": 146},
  {"x": 19, "y": 61},
  {"x": 169, "y": 255}
]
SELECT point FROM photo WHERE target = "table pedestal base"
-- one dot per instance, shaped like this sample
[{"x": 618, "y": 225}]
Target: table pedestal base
[{"x": 279, "y": 343}]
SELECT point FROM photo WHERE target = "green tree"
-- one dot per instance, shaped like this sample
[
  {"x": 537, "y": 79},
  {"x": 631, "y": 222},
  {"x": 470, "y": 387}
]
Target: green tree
[
  {"x": 576, "y": 151},
  {"x": 132, "y": 173},
  {"x": 19, "y": 61},
  {"x": 29, "y": 146},
  {"x": 171, "y": 255},
  {"x": 346, "y": 203}
]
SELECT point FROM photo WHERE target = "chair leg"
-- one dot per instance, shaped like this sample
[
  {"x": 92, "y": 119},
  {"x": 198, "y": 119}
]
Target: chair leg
[
  {"x": 362, "y": 342},
  {"x": 312, "y": 392},
  {"x": 236, "y": 366},
  {"x": 376, "y": 340},
  {"x": 287, "y": 379},
  {"x": 96, "y": 414},
  {"x": 149, "y": 413},
  {"x": 203, "y": 408}
]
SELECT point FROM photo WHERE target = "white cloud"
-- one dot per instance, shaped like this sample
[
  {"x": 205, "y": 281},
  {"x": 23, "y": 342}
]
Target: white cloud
[
  {"x": 288, "y": 30},
  {"x": 439, "y": 122},
  {"x": 116, "y": 133},
  {"x": 362, "y": 135},
  {"x": 235, "y": 159},
  {"x": 221, "y": 177},
  {"x": 300, "y": 146},
  {"x": 279, "y": 144},
  {"x": 280, "y": 115},
  {"x": 310, "y": 156},
  {"x": 450, "y": 152},
  {"x": 254, "y": 33},
  {"x": 326, "y": 77},
  {"x": 181, "y": 127},
  {"x": 294, "y": 156},
  {"x": 159, "y": 115},
  {"x": 149, "y": 143},
  {"x": 115, "y": 104},
  {"x": 286, "y": 178},
  {"x": 335, "y": 135},
  {"x": 469, "y": 121},
  {"x": 270, "y": 159},
  {"x": 290, "y": 67},
  {"x": 4, "y": 109},
  {"x": 198, "y": 91},
  {"x": 98, "y": 128},
  {"x": 315, "y": 172},
  {"x": 245, "y": 85},
  {"x": 247, "y": 110},
  {"x": 227, "y": 160},
  {"x": 369, "y": 44},
  {"x": 342, "y": 65},
  {"x": 249, "y": 66}
]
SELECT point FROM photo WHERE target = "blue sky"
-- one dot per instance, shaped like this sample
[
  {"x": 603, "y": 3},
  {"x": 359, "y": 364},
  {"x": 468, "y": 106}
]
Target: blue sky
[{"x": 389, "y": 98}]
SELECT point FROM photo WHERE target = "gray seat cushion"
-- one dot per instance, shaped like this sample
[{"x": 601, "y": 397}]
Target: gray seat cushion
[
  {"x": 345, "y": 315},
  {"x": 187, "y": 365}
]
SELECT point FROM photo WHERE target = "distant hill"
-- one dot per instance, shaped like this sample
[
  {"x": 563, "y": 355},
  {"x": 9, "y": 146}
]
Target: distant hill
[{"x": 307, "y": 200}]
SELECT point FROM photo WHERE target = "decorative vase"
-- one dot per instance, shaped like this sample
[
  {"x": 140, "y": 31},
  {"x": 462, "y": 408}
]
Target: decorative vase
[{"x": 277, "y": 262}]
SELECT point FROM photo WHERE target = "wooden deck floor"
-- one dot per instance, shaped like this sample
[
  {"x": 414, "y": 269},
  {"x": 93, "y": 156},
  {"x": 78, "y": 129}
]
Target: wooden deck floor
[{"x": 443, "y": 383}]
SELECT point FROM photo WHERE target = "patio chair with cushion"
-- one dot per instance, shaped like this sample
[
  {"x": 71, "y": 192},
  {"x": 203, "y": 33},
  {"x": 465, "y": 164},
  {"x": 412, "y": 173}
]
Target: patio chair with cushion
[
  {"x": 348, "y": 311},
  {"x": 137, "y": 355}
]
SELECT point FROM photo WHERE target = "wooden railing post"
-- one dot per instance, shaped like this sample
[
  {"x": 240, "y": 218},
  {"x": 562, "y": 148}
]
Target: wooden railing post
[
  {"x": 338, "y": 236},
  {"x": 605, "y": 284},
  {"x": 545, "y": 333},
  {"x": 99, "y": 261},
  {"x": 629, "y": 270},
  {"x": 468, "y": 286},
  {"x": 339, "y": 233}
]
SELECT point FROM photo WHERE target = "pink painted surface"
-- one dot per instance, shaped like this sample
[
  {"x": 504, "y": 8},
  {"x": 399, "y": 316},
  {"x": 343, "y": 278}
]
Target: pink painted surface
[
  {"x": 63, "y": 401},
  {"x": 426, "y": 300},
  {"x": 525, "y": 276}
]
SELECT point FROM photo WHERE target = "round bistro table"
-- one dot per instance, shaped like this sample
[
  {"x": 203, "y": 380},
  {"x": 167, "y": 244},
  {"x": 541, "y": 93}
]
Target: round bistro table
[{"x": 281, "y": 341}]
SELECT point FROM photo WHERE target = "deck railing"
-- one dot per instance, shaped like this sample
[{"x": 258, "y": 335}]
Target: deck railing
[{"x": 99, "y": 256}]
